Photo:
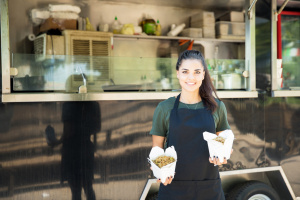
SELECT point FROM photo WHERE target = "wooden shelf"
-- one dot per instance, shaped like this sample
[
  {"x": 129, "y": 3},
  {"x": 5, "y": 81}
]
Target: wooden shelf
[{"x": 178, "y": 38}]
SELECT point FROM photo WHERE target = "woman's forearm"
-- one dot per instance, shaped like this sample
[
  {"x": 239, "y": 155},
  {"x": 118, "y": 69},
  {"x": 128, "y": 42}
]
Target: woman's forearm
[{"x": 158, "y": 141}]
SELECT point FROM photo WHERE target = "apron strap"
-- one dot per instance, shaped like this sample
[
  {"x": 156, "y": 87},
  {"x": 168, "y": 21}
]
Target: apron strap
[
  {"x": 176, "y": 102},
  {"x": 175, "y": 107}
]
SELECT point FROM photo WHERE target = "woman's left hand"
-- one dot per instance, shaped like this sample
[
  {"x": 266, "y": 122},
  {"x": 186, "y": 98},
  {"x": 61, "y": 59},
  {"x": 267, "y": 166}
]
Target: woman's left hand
[{"x": 216, "y": 161}]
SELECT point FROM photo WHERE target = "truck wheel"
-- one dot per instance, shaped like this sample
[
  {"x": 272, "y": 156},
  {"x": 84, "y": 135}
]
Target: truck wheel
[{"x": 252, "y": 190}]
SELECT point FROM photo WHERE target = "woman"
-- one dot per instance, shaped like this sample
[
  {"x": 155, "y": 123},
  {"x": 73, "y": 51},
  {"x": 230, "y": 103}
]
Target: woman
[{"x": 181, "y": 121}]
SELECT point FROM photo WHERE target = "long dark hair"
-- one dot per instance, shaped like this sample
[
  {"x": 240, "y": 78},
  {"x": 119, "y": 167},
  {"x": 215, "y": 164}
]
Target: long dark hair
[{"x": 206, "y": 89}]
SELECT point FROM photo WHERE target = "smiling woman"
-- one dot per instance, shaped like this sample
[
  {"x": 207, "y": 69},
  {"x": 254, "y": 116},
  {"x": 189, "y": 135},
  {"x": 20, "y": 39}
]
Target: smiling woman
[
  {"x": 180, "y": 122},
  {"x": 190, "y": 76},
  {"x": 194, "y": 79}
]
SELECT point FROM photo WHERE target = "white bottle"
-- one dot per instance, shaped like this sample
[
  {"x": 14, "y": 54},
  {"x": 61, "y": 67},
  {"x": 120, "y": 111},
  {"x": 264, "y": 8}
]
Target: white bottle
[
  {"x": 116, "y": 26},
  {"x": 176, "y": 30}
]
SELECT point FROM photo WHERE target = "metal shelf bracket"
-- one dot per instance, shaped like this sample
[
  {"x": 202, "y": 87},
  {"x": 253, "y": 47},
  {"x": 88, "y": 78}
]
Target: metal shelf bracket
[
  {"x": 249, "y": 12},
  {"x": 281, "y": 9}
]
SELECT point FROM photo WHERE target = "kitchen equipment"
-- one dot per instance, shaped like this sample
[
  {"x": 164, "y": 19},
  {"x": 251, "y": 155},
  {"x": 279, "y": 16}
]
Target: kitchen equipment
[
  {"x": 29, "y": 83},
  {"x": 48, "y": 45},
  {"x": 94, "y": 48},
  {"x": 122, "y": 87},
  {"x": 232, "y": 81}
]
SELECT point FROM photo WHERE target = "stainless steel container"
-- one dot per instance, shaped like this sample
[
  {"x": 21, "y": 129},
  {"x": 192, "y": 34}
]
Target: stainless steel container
[{"x": 232, "y": 81}]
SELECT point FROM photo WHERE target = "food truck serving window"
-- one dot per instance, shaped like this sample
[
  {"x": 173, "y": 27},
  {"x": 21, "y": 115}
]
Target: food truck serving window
[
  {"x": 288, "y": 51},
  {"x": 70, "y": 60}
]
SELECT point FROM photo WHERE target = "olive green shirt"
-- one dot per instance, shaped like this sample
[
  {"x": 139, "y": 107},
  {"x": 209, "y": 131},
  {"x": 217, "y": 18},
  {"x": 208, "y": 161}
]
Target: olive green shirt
[{"x": 161, "y": 117}]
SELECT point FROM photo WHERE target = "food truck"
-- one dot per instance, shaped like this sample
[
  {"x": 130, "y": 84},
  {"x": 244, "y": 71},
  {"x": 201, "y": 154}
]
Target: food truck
[{"x": 80, "y": 81}]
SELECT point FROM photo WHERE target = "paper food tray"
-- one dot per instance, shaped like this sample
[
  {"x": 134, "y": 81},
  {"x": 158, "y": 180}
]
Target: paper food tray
[
  {"x": 218, "y": 149},
  {"x": 166, "y": 171}
]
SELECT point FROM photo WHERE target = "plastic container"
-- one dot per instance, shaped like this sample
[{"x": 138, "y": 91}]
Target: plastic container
[
  {"x": 103, "y": 27},
  {"x": 138, "y": 30},
  {"x": 116, "y": 26},
  {"x": 233, "y": 16},
  {"x": 149, "y": 26},
  {"x": 176, "y": 30},
  {"x": 158, "y": 29},
  {"x": 192, "y": 32},
  {"x": 127, "y": 29},
  {"x": 230, "y": 29}
]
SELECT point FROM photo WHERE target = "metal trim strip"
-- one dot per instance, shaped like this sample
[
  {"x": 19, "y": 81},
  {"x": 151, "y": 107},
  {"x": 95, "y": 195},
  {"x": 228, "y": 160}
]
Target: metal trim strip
[
  {"x": 286, "y": 93},
  {"x": 5, "y": 46},
  {"x": 54, "y": 97}
]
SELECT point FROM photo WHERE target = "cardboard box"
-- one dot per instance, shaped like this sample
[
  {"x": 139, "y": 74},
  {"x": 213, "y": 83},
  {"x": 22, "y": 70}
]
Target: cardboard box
[
  {"x": 203, "y": 23},
  {"x": 209, "y": 32},
  {"x": 202, "y": 15},
  {"x": 60, "y": 24},
  {"x": 224, "y": 28},
  {"x": 203, "y": 18},
  {"x": 192, "y": 32},
  {"x": 238, "y": 28},
  {"x": 233, "y": 16}
]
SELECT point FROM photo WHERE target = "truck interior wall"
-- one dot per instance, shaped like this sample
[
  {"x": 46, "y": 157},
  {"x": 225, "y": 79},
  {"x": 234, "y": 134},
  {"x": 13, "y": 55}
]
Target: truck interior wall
[{"x": 100, "y": 12}]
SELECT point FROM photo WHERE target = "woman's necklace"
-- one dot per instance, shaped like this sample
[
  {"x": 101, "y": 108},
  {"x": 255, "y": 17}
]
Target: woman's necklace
[{"x": 188, "y": 106}]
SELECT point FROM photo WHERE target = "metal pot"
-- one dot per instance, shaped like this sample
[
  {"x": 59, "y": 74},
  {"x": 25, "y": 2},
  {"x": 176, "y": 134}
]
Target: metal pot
[{"x": 232, "y": 81}]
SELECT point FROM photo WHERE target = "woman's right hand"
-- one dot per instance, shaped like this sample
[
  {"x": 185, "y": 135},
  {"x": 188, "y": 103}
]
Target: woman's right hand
[
  {"x": 168, "y": 180},
  {"x": 159, "y": 141}
]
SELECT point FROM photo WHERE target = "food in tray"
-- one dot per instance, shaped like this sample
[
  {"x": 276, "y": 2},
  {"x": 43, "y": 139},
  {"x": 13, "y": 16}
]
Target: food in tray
[
  {"x": 163, "y": 161},
  {"x": 220, "y": 139}
]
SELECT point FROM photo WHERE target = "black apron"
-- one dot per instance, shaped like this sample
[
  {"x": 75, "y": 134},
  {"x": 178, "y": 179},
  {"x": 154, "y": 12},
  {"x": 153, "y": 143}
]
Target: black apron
[{"x": 195, "y": 177}]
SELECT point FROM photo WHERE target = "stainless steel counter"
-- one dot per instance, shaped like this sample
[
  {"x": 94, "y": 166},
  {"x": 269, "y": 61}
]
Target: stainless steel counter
[{"x": 55, "y": 97}]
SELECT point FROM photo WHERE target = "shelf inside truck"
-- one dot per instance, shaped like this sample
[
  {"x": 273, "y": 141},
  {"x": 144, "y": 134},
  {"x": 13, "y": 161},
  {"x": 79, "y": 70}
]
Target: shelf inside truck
[{"x": 238, "y": 40}]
